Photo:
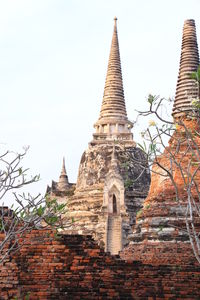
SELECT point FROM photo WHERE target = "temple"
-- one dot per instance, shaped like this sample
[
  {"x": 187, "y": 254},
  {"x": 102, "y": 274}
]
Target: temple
[
  {"x": 113, "y": 177},
  {"x": 158, "y": 257}
]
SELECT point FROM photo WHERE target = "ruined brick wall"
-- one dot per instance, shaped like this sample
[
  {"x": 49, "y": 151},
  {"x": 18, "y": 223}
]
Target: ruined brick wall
[
  {"x": 9, "y": 274},
  {"x": 74, "y": 267}
]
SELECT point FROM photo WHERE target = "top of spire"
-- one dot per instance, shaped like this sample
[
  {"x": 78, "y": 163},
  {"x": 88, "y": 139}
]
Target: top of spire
[
  {"x": 63, "y": 171},
  {"x": 187, "y": 88},
  {"x": 63, "y": 182},
  {"x": 113, "y": 105}
]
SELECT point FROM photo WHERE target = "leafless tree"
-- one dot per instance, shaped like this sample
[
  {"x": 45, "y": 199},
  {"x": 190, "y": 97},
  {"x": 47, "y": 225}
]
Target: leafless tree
[{"x": 27, "y": 212}]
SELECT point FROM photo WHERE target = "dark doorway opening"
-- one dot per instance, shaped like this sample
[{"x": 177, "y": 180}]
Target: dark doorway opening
[{"x": 114, "y": 204}]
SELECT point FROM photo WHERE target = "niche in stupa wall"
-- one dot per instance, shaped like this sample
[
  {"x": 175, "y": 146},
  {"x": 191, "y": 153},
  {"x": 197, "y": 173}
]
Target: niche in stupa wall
[{"x": 114, "y": 200}]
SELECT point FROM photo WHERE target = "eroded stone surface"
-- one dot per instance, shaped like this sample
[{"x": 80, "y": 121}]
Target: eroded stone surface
[{"x": 98, "y": 180}]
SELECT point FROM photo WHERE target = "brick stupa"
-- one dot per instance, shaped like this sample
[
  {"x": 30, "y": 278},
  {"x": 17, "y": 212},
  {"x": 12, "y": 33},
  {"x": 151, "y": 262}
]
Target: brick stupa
[{"x": 160, "y": 235}]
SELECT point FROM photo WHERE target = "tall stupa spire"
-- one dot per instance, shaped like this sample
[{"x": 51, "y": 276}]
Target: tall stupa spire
[
  {"x": 187, "y": 88},
  {"x": 113, "y": 104},
  {"x": 113, "y": 122}
]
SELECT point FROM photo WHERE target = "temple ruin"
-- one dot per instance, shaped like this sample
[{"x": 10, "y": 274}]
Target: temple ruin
[{"x": 156, "y": 261}]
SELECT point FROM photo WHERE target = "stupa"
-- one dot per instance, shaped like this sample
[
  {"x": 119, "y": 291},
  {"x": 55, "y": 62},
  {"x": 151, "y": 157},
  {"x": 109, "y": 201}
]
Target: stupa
[
  {"x": 113, "y": 178},
  {"x": 161, "y": 234}
]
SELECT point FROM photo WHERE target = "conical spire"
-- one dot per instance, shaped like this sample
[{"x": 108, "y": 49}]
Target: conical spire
[
  {"x": 113, "y": 123},
  {"x": 113, "y": 104},
  {"x": 187, "y": 88},
  {"x": 63, "y": 182}
]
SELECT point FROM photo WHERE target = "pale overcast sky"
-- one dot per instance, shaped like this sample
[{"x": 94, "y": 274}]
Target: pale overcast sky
[{"x": 53, "y": 62}]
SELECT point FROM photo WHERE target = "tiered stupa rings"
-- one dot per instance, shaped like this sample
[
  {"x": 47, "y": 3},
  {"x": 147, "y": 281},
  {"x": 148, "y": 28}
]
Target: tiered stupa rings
[{"x": 187, "y": 88}]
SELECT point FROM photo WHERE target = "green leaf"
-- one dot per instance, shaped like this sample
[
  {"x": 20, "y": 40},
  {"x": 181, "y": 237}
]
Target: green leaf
[
  {"x": 140, "y": 146},
  {"x": 193, "y": 76},
  {"x": 22, "y": 214},
  {"x": 61, "y": 206},
  {"x": 151, "y": 98},
  {"x": 152, "y": 148},
  {"x": 40, "y": 211}
]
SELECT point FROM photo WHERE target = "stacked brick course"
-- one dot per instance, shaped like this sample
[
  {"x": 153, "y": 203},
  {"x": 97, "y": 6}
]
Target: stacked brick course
[{"x": 74, "y": 267}]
